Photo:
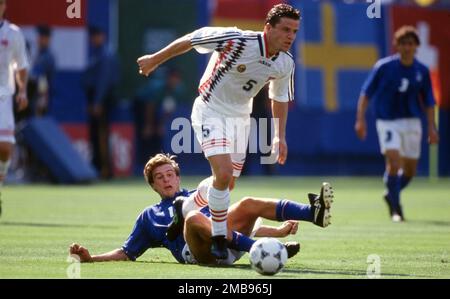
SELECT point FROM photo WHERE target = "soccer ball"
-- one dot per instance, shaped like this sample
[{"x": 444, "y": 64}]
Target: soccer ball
[{"x": 268, "y": 256}]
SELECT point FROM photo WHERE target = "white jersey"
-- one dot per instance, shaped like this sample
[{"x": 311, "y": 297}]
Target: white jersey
[
  {"x": 12, "y": 56},
  {"x": 239, "y": 68}
]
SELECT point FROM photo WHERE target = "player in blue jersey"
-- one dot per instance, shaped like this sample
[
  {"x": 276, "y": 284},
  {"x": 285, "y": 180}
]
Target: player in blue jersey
[
  {"x": 163, "y": 175},
  {"x": 400, "y": 88}
]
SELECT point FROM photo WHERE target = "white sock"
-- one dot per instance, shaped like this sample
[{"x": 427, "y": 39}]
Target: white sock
[
  {"x": 194, "y": 202},
  {"x": 218, "y": 202},
  {"x": 199, "y": 198}
]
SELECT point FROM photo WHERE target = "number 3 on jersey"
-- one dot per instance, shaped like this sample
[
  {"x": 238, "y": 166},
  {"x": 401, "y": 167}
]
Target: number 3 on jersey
[{"x": 249, "y": 85}]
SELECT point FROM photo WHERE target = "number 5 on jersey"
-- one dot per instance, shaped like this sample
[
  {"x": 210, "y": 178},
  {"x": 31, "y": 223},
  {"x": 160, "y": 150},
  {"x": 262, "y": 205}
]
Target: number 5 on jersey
[{"x": 249, "y": 85}]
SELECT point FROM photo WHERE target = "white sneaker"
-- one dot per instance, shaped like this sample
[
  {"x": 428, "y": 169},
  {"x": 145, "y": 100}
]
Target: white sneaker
[{"x": 397, "y": 218}]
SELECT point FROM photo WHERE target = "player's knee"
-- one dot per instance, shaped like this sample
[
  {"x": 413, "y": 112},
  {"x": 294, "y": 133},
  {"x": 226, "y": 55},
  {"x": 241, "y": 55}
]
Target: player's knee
[
  {"x": 5, "y": 151},
  {"x": 192, "y": 218},
  {"x": 410, "y": 172},
  {"x": 224, "y": 175},
  {"x": 247, "y": 202},
  {"x": 248, "y": 206},
  {"x": 393, "y": 166}
]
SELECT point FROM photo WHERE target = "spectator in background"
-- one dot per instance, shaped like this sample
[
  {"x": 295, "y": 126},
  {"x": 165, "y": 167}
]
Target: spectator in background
[
  {"x": 100, "y": 82},
  {"x": 42, "y": 73},
  {"x": 25, "y": 165},
  {"x": 154, "y": 105}
]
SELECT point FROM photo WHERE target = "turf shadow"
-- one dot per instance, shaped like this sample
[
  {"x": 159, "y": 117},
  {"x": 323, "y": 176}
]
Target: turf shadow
[{"x": 429, "y": 222}]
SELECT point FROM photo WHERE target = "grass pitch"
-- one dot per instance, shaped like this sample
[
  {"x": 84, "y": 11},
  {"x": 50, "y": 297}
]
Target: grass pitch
[{"x": 39, "y": 222}]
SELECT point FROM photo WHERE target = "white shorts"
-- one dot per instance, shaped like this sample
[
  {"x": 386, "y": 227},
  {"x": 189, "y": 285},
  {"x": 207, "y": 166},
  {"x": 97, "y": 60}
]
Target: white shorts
[
  {"x": 404, "y": 135},
  {"x": 218, "y": 134},
  {"x": 7, "y": 120},
  {"x": 233, "y": 255}
]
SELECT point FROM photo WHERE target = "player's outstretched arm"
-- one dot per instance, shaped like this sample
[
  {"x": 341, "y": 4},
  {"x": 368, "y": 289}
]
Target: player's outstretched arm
[
  {"x": 21, "y": 97},
  {"x": 85, "y": 256},
  {"x": 360, "y": 124},
  {"x": 289, "y": 227},
  {"x": 433, "y": 135},
  {"x": 149, "y": 63}
]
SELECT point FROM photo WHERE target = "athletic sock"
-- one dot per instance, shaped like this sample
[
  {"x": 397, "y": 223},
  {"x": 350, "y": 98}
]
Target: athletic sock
[
  {"x": 194, "y": 202},
  {"x": 240, "y": 242},
  {"x": 393, "y": 185},
  {"x": 290, "y": 210},
  {"x": 404, "y": 181},
  {"x": 218, "y": 202},
  {"x": 199, "y": 198}
]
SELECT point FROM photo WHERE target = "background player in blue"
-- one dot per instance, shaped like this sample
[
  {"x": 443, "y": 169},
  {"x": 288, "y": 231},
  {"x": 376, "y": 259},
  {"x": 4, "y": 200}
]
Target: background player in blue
[
  {"x": 162, "y": 173},
  {"x": 400, "y": 88}
]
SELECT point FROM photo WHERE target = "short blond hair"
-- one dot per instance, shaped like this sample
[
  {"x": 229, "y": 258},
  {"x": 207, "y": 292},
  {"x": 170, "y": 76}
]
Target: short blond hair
[{"x": 156, "y": 161}]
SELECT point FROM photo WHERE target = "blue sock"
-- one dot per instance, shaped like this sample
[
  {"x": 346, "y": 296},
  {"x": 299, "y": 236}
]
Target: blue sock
[
  {"x": 289, "y": 210},
  {"x": 393, "y": 185},
  {"x": 240, "y": 242},
  {"x": 404, "y": 181}
]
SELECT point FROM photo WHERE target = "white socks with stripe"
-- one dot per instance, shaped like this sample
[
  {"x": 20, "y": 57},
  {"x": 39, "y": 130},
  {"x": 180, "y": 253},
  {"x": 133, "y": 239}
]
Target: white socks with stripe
[
  {"x": 218, "y": 202},
  {"x": 196, "y": 201},
  {"x": 199, "y": 198}
]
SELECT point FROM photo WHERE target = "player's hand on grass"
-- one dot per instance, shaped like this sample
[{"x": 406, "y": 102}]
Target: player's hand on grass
[
  {"x": 82, "y": 252},
  {"x": 361, "y": 129},
  {"x": 289, "y": 227},
  {"x": 147, "y": 64}
]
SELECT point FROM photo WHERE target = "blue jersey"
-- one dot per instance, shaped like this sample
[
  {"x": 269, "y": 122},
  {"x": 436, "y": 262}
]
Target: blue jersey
[
  {"x": 150, "y": 230},
  {"x": 399, "y": 91}
]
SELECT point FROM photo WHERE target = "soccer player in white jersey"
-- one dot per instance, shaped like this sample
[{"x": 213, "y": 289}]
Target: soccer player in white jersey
[
  {"x": 13, "y": 61},
  {"x": 241, "y": 64}
]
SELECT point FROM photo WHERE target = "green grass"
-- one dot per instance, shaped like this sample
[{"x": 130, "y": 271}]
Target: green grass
[{"x": 39, "y": 222}]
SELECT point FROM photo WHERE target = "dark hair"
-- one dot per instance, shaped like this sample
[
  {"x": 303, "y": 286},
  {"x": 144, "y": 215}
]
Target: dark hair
[
  {"x": 94, "y": 30},
  {"x": 279, "y": 11},
  {"x": 44, "y": 30},
  {"x": 405, "y": 32}
]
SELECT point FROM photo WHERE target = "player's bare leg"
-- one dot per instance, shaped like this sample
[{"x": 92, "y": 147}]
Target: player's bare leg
[
  {"x": 218, "y": 197},
  {"x": 243, "y": 214},
  {"x": 197, "y": 233}
]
